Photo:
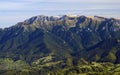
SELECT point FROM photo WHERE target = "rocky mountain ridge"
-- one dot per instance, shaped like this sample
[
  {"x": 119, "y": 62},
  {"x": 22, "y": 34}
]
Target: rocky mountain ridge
[{"x": 62, "y": 37}]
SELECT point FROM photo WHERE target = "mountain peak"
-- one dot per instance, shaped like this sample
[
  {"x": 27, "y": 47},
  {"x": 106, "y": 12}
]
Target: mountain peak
[{"x": 87, "y": 22}]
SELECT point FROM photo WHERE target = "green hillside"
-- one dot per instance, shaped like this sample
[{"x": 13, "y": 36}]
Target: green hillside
[{"x": 48, "y": 45}]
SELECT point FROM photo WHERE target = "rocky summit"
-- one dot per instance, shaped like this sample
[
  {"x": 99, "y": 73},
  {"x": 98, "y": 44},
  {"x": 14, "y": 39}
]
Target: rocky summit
[{"x": 61, "y": 41}]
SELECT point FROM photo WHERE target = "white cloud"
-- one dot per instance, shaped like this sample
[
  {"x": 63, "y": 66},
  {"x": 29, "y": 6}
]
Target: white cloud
[
  {"x": 88, "y": 1},
  {"x": 102, "y": 1},
  {"x": 9, "y": 5}
]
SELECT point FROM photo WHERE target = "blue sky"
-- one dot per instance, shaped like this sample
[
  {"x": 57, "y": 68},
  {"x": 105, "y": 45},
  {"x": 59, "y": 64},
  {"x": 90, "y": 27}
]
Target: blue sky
[{"x": 13, "y": 11}]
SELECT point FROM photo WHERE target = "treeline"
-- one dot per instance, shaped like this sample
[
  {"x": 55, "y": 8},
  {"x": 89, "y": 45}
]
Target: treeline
[{"x": 90, "y": 69}]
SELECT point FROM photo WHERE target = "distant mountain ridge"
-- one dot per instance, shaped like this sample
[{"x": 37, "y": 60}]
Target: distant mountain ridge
[{"x": 62, "y": 37}]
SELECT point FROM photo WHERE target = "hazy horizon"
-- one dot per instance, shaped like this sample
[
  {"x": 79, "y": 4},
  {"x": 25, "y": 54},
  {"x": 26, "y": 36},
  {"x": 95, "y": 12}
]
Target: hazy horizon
[{"x": 13, "y": 11}]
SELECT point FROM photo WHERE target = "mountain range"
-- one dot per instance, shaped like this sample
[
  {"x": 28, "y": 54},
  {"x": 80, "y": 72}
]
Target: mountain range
[{"x": 66, "y": 40}]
